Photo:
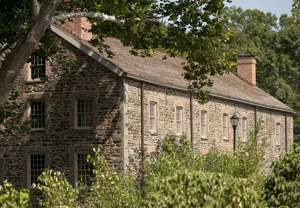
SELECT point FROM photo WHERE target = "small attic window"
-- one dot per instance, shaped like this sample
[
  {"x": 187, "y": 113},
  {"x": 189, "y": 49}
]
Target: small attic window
[{"x": 37, "y": 67}]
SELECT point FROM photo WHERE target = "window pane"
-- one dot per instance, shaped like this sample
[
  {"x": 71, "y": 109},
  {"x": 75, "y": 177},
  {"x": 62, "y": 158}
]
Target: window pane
[
  {"x": 244, "y": 129},
  {"x": 203, "y": 124},
  {"x": 278, "y": 132},
  {"x": 179, "y": 119},
  {"x": 84, "y": 170},
  {"x": 38, "y": 66},
  {"x": 203, "y": 117},
  {"x": 37, "y": 165},
  {"x": 153, "y": 116},
  {"x": 37, "y": 112},
  {"x": 85, "y": 112},
  {"x": 262, "y": 129},
  {"x": 225, "y": 128}
]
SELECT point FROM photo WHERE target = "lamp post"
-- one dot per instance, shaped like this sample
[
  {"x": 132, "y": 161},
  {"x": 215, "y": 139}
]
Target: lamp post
[{"x": 234, "y": 120}]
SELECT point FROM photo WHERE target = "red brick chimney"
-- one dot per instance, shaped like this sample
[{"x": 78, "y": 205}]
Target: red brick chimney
[
  {"x": 246, "y": 68},
  {"x": 78, "y": 27}
]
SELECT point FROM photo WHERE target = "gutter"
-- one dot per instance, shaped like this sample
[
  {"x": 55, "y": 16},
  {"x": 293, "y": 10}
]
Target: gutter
[{"x": 211, "y": 94}]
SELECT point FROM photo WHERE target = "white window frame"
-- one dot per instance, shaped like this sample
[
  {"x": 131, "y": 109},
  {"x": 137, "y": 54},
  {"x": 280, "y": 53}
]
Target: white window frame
[
  {"x": 179, "y": 126},
  {"x": 244, "y": 128},
  {"x": 29, "y": 170},
  {"x": 153, "y": 118},
  {"x": 203, "y": 124},
  {"x": 85, "y": 113},
  {"x": 225, "y": 126},
  {"x": 30, "y": 70},
  {"x": 29, "y": 114},
  {"x": 278, "y": 132},
  {"x": 76, "y": 165}
]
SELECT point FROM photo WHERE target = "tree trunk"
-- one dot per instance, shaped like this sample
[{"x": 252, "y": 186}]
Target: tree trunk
[{"x": 29, "y": 42}]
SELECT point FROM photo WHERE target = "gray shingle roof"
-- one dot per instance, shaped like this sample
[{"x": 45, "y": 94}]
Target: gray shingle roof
[{"x": 168, "y": 72}]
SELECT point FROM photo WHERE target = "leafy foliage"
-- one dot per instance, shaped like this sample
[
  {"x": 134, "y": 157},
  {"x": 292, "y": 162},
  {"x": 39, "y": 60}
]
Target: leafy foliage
[
  {"x": 178, "y": 177},
  {"x": 57, "y": 190},
  {"x": 203, "y": 189},
  {"x": 195, "y": 30},
  {"x": 10, "y": 197},
  {"x": 112, "y": 189},
  {"x": 276, "y": 49},
  {"x": 283, "y": 185},
  {"x": 248, "y": 160},
  {"x": 9, "y": 112}
]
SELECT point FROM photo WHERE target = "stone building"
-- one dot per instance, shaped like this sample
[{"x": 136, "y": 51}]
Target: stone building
[{"x": 116, "y": 103}]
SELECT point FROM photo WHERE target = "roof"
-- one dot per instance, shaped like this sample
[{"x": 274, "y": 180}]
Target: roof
[{"x": 169, "y": 73}]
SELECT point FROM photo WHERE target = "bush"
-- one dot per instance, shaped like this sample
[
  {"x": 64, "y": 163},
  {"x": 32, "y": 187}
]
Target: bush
[
  {"x": 11, "y": 198},
  {"x": 203, "y": 189},
  {"x": 57, "y": 190},
  {"x": 282, "y": 188}
]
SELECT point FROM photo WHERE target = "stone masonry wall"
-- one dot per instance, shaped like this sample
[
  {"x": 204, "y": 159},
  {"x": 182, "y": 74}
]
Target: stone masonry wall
[
  {"x": 167, "y": 99},
  {"x": 60, "y": 141}
]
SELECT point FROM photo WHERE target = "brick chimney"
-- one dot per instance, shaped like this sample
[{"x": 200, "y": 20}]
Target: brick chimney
[
  {"x": 246, "y": 68},
  {"x": 76, "y": 28}
]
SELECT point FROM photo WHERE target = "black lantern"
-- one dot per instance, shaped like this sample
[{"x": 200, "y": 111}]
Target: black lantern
[{"x": 234, "y": 120}]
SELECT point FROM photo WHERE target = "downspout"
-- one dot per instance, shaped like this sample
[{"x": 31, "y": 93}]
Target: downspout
[
  {"x": 286, "y": 134},
  {"x": 255, "y": 117},
  {"x": 255, "y": 121},
  {"x": 191, "y": 113},
  {"x": 142, "y": 129}
]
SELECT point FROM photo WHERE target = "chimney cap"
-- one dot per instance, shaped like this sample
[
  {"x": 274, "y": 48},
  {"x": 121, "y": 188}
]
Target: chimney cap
[{"x": 245, "y": 55}]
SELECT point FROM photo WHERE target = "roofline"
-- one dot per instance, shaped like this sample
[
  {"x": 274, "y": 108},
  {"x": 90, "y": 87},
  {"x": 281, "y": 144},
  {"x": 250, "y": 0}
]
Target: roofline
[
  {"x": 86, "y": 50},
  {"x": 117, "y": 70},
  {"x": 211, "y": 94}
]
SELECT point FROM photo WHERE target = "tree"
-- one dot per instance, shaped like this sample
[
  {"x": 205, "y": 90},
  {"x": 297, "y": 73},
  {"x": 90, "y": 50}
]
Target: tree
[
  {"x": 276, "y": 49},
  {"x": 195, "y": 30}
]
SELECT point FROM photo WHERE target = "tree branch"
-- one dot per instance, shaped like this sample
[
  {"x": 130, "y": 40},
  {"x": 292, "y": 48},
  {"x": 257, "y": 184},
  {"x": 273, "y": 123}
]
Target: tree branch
[
  {"x": 168, "y": 37},
  {"x": 63, "y": 16},
  {"x": 35, "y": 7}
]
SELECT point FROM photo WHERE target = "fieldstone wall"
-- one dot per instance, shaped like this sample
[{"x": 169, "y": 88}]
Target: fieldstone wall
[
  {"x": 117, "y": 118},
  {"x": 60, "y": 140},
  {"x": 167, "y": 99}
]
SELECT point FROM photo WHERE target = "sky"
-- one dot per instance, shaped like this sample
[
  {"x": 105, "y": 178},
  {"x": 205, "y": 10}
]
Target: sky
[{"x": 276, "y": 7}]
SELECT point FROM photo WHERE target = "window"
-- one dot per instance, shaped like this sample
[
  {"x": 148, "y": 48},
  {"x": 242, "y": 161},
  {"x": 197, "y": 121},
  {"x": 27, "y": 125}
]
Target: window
[
  {"x": 84, "y": 113},
  {"x": 244, "y": 123},
  {"x": 153, "y": 117},
  {"x": 153, "y": 157},
  {"x": 203, "y": 124},
  {"x": 37, "y": 67},
  {"x": 36, "y": 165},
  {"x": 179, "y": 119},
  {"x": 278, "y": 133},
  {"x": 225, "y": 126},
  {"x": 83, "y": 169},
  {"x": 262, "y": 130},
  {"x": 37, "y": 112}
]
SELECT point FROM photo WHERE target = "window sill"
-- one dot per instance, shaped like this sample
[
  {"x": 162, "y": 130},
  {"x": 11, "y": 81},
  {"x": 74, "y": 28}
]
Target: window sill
[
  {"x": 38, "y": 130},
  {"x": 76, "y": 129},
  {"x": 225, "y": 139},
  {"x": 35, "y": 81},
  {"x": 153, "y": 133},
  {"x": 204, "y": 138}
]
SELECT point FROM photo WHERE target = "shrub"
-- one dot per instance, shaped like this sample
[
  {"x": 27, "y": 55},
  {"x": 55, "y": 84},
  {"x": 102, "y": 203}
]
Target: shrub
[
  {"x": 11, "y": 198},
  {"x": 282, "y": 188},
  {"x": 203, "y": 189}
]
